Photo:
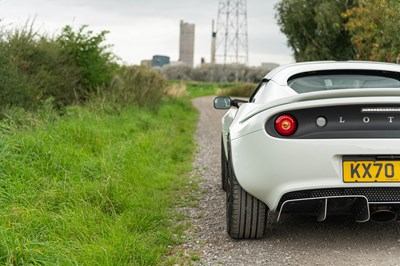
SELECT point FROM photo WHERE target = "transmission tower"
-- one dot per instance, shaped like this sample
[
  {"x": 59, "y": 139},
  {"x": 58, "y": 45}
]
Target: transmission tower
[{"x": 231, "y": 32}]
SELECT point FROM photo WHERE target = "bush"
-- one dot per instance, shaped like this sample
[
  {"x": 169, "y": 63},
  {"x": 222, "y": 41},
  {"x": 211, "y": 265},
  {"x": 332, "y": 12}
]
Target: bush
[
  {"x": 178, "y": 72},
  {"x": 95, "y": 62},
  {"x": 238, "y": 90},
  {"x": 69, "y": 69},
  {"x": 34, "y": 68},
  {"x": 137, "y": 85}
]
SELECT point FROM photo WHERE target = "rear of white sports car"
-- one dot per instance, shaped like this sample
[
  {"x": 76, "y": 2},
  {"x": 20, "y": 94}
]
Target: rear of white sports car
[{"x": 315, "y": 138}]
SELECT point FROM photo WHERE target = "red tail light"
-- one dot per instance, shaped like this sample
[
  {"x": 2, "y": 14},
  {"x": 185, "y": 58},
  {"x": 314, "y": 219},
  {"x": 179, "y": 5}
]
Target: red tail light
[{"x": 285, "y": 125}]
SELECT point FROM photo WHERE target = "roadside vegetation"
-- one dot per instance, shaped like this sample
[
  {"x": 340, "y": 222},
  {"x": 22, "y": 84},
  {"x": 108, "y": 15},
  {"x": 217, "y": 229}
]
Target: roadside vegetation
[
  {"x": 94, "y": 156},
  {"x": 95, "y": 186},
  {"x": 238, "y": 90},
  {"x": 219, "y": 73},
  {"x": 342, "y": 29},
  {"x": 195, "y": 89}
]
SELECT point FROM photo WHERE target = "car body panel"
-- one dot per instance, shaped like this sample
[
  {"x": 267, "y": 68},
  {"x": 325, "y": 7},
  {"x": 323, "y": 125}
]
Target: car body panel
[
  {"x": 318, "y": 164},
  {"x": 268, "y": 167}
]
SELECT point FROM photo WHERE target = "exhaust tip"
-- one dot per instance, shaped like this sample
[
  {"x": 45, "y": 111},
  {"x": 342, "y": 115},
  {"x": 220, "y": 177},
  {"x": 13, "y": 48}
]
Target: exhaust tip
[{"x": 383, "y": 216}]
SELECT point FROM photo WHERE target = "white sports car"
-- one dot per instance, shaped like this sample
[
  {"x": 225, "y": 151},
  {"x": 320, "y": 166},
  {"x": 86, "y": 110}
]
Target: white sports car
[{"x": 318, "y": 138}]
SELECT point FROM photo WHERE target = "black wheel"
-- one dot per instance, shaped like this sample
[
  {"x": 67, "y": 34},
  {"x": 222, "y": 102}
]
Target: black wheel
[
  {"x": 224, "y": 166},
  {"x": 246, "y": 216}
]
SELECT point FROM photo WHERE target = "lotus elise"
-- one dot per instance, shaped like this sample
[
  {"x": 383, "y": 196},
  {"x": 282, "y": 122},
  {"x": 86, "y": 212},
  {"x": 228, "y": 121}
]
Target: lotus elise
[{"x": 315, "y": 138}]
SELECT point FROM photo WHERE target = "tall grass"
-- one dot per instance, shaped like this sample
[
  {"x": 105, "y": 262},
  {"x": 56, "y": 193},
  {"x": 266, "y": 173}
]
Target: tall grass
[
  {"x": 199, "y": 89},
  {"x": 137, "y": 85},
  {"x": 238, "y": 90},
  {"x": 94, "y": 183},
  {"x": 94, "y": 187}
]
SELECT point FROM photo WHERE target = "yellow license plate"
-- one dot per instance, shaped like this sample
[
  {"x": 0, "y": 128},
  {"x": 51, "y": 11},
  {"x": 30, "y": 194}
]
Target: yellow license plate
[{"x": 371, "y": 171}]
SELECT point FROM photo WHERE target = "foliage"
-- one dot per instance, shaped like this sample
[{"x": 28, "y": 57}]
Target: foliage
[
  {"x": 91, "y": 55},
  {"x": 178, "y": 72},
  {"x": 88, "y": 188},
  {"x": 137, "y": 85},
  {"x": 199, "y": 89},
  {"x": 196, "y": 89},
  {"x": 315, "y": 29},
  {"x": 215, "y": 73},
  {"x": 374, "y": 26},
  {"x": 34, "y": 68},
  {"x": 238, "y": 90},
  {"x": 176, "y": 89}
]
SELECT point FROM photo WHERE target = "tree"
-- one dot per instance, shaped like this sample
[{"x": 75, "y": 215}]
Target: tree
[
  {"x": 374, "y": 27},
  {"x": 315, "y": 29},
  {"x": 91, "y": 55}
]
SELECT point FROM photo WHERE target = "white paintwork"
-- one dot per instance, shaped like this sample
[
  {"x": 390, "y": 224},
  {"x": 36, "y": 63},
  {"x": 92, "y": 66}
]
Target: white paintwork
[
  {"x": 280, "y": 74},
  {"x": 268, "y": 167}
]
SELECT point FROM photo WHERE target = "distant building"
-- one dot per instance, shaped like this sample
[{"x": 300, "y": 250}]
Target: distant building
[
  {"x": 160, "y": 60},
  {"x": 186, "y": 43},
  {"x": 147, "y": 63}
]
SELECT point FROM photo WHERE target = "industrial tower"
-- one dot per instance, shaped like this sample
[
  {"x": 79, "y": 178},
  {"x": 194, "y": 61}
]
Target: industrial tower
[
  {"x": 230, "y": 39},
  {"x": 186, "y": 43}
]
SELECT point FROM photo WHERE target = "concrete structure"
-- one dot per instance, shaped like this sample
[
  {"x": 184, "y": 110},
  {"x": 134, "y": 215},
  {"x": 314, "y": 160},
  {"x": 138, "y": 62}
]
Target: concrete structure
[
  {"x": 213, "y": 43},
  {"x": 186, "y": 43},
  {"x": 160, "y": 60}
]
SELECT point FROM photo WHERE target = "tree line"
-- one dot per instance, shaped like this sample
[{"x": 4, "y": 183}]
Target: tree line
[{"x": 341, "y": 29}]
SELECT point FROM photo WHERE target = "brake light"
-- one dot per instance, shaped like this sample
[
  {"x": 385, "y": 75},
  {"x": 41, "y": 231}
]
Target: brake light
[{"x": 285, "y": 125}]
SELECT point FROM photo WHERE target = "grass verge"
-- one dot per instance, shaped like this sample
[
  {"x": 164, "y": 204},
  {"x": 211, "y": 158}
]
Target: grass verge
[
  {"x": 198, "y": 89},
  {"x": 95, "y": 187}
]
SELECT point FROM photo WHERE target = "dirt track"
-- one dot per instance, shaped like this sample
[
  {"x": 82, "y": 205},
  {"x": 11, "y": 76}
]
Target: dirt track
[{"x": 295, "y": 240}]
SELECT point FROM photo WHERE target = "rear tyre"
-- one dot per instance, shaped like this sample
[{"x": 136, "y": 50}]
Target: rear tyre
[
  {"x": 224, "y": 167},
  {"x": 246, "y": 216}
]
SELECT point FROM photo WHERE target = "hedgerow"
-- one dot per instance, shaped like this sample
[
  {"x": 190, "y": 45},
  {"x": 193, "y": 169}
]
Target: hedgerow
[{"x": 69, "y": 68}]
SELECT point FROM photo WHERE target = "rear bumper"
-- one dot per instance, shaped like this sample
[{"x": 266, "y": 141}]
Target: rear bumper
[
  {"x": 277, "y": 170},
  {"x": 359, "y": 202}
]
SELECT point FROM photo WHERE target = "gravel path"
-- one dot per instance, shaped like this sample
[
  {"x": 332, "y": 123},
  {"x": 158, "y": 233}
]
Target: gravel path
[{"x": 295, "y": 240}]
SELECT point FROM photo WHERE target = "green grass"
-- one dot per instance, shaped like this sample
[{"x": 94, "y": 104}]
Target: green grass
[
  {"x": 199, "y": 89},
  {"x": 238, "y": 90},
  {"x": 95, "y": 187}
]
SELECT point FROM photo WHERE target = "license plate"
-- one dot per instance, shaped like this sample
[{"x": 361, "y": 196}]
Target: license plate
[{"x": 371, "y": 171}]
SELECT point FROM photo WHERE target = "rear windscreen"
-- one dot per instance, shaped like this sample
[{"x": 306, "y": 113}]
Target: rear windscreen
[{"x": 338, "y": 80}]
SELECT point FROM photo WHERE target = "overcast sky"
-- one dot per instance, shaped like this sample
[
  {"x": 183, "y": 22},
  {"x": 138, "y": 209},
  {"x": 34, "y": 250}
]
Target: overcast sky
[{"x": 140, "y": 29}]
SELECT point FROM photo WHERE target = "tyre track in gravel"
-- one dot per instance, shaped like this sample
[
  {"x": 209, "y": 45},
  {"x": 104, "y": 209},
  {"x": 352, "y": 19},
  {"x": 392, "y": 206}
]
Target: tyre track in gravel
[{"x": 295, "y": 240}]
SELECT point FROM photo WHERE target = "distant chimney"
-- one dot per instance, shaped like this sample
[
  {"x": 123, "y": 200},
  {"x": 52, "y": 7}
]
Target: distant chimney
[
  {"x": 213, "y": 43},
  {"x": 186, "y": 43}
]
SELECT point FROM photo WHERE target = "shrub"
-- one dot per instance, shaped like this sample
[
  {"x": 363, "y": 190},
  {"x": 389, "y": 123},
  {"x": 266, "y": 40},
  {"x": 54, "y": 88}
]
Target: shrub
[
  {"x": 178, "y": 72},
  {"x": 91, "y": 55},
  {"x": 238, "y": 90},
  {"x": 33, "y": 68},
  {"x": 137, "y": 85},
  {"x": 69, "y": 69}
]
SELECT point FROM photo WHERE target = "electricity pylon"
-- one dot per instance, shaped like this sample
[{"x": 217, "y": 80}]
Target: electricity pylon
[{"x": 231, "y": 32}]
